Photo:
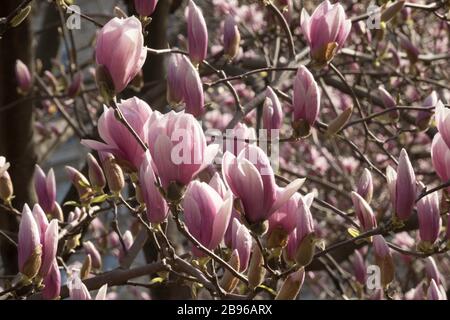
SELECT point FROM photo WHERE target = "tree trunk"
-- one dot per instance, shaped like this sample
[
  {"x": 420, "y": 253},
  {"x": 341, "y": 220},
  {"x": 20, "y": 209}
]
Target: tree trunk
[{"x": 16, "y": 129}]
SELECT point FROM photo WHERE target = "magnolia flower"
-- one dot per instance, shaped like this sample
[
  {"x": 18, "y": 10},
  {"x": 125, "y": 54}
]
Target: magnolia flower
[
  {"x": 231, "y": 37},
  {"x": 242, "y": 242},
  {"x": 272, "y": 113},
  {"x": 365, "y": 185},
  {"x": 359, "y": 267},
  {"x": 440, "y": 156},
  {"x": 23, "y": 77},
  {"x": 120, "y": 50},
  {"x": 145, "y": 8},
  {"x": 207, "y": 215},
  {"x": 284, "y": 220},
  {"x": 77, "y": 289},
  {"x": 251, "y": 179},
  {"x": 52, "y": 282},
  {"x": 402, "y": 187},
  {"x": 192, "y": 88},
  {"x": 364, "y": 212},
  {"x": 178, "y": 148},
  {"x": 94, "y": 253},
  {"x": 29, "y": 246},
  {"x": 301, "y": 242},
  {"x": 156, "y": 206},
  {"x": 443, "y": 121},
  {"x": 96, "y": 175},
  {"x": 49, "y": 247},
  {"x": 197, "y": 34},
  {"x": 175, "y": 79},
  {"x": 383, "y": 258},
  {"x": 429, "y": 218},
  {"x": 305, "y": 101},
  {"x": 45, "y": 187},
  {"x": 325, "y": 30},
  {"x": 118, "y": 140}
]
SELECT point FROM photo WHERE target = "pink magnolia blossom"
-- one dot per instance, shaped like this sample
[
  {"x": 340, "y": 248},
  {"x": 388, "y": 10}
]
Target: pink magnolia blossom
[
  {"x": 118, "y": 140},
  {"x": 207, "y": 215},
  {"x": 120, "y": 49},
  {"x": 325, "y": 30},
  {"x": 251, "y": 179}
]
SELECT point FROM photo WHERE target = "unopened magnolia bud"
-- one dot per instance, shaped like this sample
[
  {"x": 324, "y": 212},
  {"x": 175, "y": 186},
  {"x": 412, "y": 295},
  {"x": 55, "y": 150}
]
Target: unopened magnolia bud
[
  {"x": 29, "y": 247},
  {"x": 101, "y": 294},
  {"x": 23, "y": 77},
  {"x": 6, "y": 187},
  {"x": 197, "y": 34},
  {"x": 52, "y": 283},
  {"x": 57, "y": 213},
  {"x": 175, "y": 80},
  {"x": 105, "y": 83},
  {"x": 291, "y": 286},
  {"x": 193, "y": 94},
  {"x": 54, "y": 84},
  {"x": 256, "y": 271},
  {"x": 96, "y": 176},
  {"x": 392, "y": 10},
  {"x": 306, "y": 249},
  {"x": 45, "y": 187},
  {"x": 305, "y": 102},
  {"x": 388, "y": 102},
  {"x": 50, "y": 247},
  {"x": 75, "y": 86},
  {"x": 86, "y": 267},
  {"x": 432, "y": 271},
  {"x": 145, "y": 8},
  {"x": 95, "y": 255},
  {"x": 114, "y": 174},
  {"x": 365, "y": 185},
  {"x": 77, "y": 289},
  {"x": 231, "y": 38},
  {"x": 383, "y": 260},
  {"x": 429, "y": 220},
  {"x": 364, "y": 212},
  {"x": 80, "y": 182},
  {"x": 434, "y": 292},
  {"x": 339, "y": 122},
  {"x": 127, "y": 241},
  {"x": 411, "y": 50},
  {"x": 359, "y": 267},
  {"x": 405, "y": 188},
  {"x": 272, "y": 112},
  {"x": 229, "y": 281}
]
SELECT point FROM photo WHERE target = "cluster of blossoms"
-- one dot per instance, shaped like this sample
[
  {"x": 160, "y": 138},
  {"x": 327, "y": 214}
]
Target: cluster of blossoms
[{"x": 228, "y": 200}]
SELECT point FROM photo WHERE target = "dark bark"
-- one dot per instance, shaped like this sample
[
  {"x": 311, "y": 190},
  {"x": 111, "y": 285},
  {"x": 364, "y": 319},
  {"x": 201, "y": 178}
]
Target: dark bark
[
  {"x": 154, "y": 69},
  {"x": 16, "y": 128},
  {"x": 48, "y": 40}
]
